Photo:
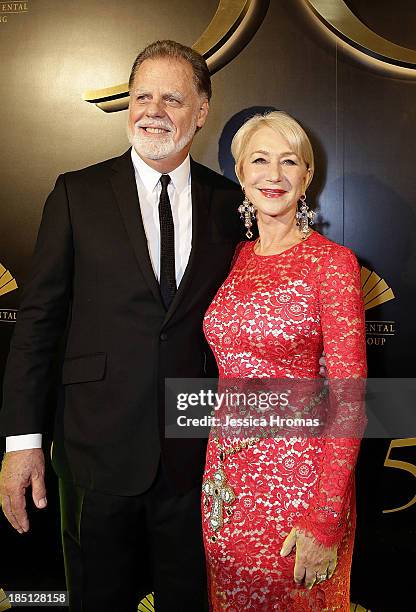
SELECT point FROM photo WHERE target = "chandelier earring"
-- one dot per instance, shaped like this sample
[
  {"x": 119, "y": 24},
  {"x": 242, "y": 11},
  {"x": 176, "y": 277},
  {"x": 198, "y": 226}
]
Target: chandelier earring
[
  {"x": 304, "y": 217},
  {"x": 247, "y": 214}
]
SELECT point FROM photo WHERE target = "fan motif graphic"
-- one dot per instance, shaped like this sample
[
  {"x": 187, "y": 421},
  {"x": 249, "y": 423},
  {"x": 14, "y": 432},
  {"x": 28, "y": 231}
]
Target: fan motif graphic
[
  {"x": 7, "y": 282},
  {"x": 147, "y": 604},
  {"x": 375, "y": 290},
  {"x": 4, "y": 601}
]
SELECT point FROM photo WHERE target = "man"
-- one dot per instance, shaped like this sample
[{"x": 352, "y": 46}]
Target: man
[{"x": 129, "y": 255}]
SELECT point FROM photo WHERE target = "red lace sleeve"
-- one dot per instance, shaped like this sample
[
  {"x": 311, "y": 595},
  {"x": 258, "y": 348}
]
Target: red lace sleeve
[{"x": 343, "y": 328}]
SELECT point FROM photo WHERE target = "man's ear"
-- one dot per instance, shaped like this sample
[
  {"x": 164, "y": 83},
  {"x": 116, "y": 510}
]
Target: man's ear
[{"x": 202, "y": 113}]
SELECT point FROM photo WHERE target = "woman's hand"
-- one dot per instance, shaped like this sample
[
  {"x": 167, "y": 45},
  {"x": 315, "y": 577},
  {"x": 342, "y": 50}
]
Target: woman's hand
[{"x": 314, "y": 561}]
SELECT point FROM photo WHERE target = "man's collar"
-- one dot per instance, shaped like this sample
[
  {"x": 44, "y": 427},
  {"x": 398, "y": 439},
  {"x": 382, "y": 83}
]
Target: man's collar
[{"x": 150, "y": 177}]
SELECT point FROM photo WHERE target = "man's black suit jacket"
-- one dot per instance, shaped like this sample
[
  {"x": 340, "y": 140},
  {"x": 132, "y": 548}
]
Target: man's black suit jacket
[{"x": 92, "y": 282}]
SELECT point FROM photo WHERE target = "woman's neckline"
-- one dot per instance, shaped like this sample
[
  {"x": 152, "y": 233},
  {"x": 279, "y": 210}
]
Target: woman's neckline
[{"x": 286, "y": 250}]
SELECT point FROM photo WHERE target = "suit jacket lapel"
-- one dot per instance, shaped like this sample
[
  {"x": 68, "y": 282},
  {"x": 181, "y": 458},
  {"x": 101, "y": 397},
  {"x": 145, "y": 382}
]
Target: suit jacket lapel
[{"x": 124, "y": 185}]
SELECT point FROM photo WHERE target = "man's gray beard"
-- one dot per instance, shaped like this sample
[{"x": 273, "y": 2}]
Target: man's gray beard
[{"x": 160, "y": 148}]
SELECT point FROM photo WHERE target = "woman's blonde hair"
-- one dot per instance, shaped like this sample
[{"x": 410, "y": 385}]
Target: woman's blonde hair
[{"x": 281, "y": 122}]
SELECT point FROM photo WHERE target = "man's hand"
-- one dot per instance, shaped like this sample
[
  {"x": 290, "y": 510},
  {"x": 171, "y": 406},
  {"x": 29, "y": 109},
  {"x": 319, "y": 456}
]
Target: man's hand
[
  {"x": 21, "y": 469},
  {"x": 314, "y": 562}
]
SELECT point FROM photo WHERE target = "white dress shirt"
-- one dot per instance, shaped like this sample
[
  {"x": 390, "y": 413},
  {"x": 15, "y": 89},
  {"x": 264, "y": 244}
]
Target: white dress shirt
[
  {"x": 148, "y": 189},
  {"x": 179, "y": 191}
]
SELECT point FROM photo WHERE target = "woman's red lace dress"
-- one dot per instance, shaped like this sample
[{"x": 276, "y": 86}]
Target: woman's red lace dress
[{"x": 272, "y": 317}]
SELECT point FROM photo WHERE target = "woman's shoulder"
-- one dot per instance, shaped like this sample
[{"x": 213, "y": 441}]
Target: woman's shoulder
[
  {"x": 335, "y": 259},
  {"x": 332, "y": 250}
]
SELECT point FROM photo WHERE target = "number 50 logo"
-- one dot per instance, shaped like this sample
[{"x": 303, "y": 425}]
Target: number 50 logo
[
  {"x": 339, "y": 18},
  {"x": 401, "y": 465}
]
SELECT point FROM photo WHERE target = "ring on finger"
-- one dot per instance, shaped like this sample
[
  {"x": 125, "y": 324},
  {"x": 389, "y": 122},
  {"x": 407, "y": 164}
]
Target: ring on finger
[{"x": 321, "y": 577}]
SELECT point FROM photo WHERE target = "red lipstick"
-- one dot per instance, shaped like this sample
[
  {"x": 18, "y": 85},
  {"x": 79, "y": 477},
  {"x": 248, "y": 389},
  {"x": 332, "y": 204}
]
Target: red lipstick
[{"x": 273, "y": 193}]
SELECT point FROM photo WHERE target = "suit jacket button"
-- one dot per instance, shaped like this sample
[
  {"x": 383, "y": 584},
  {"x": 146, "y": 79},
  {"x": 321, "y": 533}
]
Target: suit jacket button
[{"x": 163, "y": 336}]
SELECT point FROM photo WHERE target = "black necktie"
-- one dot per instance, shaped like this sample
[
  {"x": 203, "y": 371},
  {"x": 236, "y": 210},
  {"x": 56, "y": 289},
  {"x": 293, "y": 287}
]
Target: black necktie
[{"x": 167, "y": 245}]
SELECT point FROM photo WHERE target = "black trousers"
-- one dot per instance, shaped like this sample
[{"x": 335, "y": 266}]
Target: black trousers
[{"x": 118, "y": 548}]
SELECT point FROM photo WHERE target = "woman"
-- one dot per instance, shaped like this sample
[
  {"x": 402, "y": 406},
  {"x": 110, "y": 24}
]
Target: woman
[{"x": 279, "y": 513}]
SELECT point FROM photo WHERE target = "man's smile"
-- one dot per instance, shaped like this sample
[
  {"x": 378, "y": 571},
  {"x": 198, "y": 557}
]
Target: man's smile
[{"x": 154, "y": 130}]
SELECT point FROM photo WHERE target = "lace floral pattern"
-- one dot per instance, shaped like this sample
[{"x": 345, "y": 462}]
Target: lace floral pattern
[{"x": 272, "y": 318}]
